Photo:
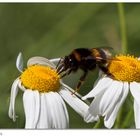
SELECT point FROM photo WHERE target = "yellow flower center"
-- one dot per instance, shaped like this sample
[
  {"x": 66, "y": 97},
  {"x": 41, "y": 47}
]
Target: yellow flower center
[
  {"x": 125, "y": 68},
  {"x": 41, "y": 78}
]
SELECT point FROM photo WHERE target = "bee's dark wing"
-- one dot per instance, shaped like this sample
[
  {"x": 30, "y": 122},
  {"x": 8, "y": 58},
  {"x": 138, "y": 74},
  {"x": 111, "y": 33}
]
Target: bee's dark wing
[
  {"x": 107, "y": 49},
  {"x": 99, "y": 59},
  {"x": 102, "y": 53}
]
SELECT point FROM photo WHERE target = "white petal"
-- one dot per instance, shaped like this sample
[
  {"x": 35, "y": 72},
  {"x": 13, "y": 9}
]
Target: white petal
[
  {"x": 21, "y": 86},
  {"x": 58, "y": 111},
  {"x": 19, "y": 62},
  {"x": 45, "y": 119},
  {"x": 90, "y": 118},
  {"x": 55, "y": 60},
  {"x": 40, "y": 61},
  {"x": 99, "y": 77},
  {"x": 122, "y": 87},
  {"x": 112, "y": 114},
  {"x": 31, "y": 102},
  {"x": 137, "y": 114},
  {"x": 78, "y": 105},
  {"x": 110, "y": 122},
  {"x": 101, "y": 86},
  {"x": 94, "y": 106},
  {"x": 70, "y": 89},
  {"x": 111, "y": 96},
  {"x": 14, "y": 92},
  {"x": 135, "y": 91}
]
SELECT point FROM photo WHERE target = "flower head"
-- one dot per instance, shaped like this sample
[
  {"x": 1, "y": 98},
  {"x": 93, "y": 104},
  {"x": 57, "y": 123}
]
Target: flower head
[
  {"x": 125, "y": 68},
  {"x": 41, "y": 78},
  {"x": 43, "y": 96},
  {"x": 111, "y": 91}
]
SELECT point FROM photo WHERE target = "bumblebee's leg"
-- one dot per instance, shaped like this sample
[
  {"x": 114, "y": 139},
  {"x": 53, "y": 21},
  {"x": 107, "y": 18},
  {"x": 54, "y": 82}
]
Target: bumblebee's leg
[
  {"x": 81, "y": 81},
  {"x": 105, "y": 70},
  {"x": 66, "y": 73}
]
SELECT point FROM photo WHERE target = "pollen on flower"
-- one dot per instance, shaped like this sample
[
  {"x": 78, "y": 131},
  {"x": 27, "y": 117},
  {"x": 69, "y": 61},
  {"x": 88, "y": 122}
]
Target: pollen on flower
[
  {"x": 41, "y": 78},
  {"x": 125, "y": 68}
]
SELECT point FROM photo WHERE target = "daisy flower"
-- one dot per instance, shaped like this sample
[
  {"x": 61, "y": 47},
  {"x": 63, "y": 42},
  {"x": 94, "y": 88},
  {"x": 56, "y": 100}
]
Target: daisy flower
[
  {"x": 110, "y": 92},
  {"x": 44, "y": 95}
]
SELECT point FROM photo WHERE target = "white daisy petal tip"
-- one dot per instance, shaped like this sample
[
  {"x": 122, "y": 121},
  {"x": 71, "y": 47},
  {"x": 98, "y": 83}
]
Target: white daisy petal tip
[
  {"x": 110, "y": 117},
  {"x": 89, "y": 118},
  {"x": 12, "y": 115},
  {"x": 84, "y": 98},
  {"x": 19, "y": 62},
  {"x": 110, "y": 122},
  {"x": 15, "y": 118}
]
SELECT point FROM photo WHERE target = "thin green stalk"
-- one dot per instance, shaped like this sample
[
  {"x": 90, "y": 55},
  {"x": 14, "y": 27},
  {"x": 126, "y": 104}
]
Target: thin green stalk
[
  {"x": 124, "y": 48},
  {"x": 99, "y": 124},
  {"x": 122, "y": 27}
]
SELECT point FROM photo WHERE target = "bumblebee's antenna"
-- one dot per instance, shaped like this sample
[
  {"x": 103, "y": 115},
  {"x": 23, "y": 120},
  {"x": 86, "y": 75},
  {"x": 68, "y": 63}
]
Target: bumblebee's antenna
[{"x": 58, "y": 62}]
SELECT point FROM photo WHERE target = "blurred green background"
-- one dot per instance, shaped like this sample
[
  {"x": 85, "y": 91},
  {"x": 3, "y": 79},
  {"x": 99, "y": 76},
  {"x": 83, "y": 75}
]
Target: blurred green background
[{"x": 54, "y": 30}]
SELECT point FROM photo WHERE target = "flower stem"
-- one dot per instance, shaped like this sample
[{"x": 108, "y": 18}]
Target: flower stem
[
  {"x": 124, "y": 48},
  {"x": 122, "y": 27},
  {"x": 99, "y": 124}
]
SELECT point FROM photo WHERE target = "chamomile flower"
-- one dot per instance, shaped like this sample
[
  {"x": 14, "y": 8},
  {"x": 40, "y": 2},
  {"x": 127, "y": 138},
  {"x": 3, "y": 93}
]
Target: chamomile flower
[
  {"x": 44, "y": 95},
  {"x": 111, "y": 91}
]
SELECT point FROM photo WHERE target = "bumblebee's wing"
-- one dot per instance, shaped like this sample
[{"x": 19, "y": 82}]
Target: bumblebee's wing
[
  {"x": 107, "y": 49},
  {"x": 100, "y": 59},
  {"x": 103, "y": 54}
]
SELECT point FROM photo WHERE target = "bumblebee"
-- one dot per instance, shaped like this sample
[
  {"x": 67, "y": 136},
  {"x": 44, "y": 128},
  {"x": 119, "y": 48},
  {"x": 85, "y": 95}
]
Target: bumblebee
[{"x": 85, "y": 59}]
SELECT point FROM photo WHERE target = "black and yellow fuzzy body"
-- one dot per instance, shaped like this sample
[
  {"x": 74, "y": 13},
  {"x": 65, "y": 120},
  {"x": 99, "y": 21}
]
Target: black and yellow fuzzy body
[{"x": 85, "y": 59}]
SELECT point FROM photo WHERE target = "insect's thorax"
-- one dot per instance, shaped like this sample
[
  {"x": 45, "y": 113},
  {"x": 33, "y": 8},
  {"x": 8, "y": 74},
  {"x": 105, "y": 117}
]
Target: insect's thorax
[{"x": 84, "y": 59}]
